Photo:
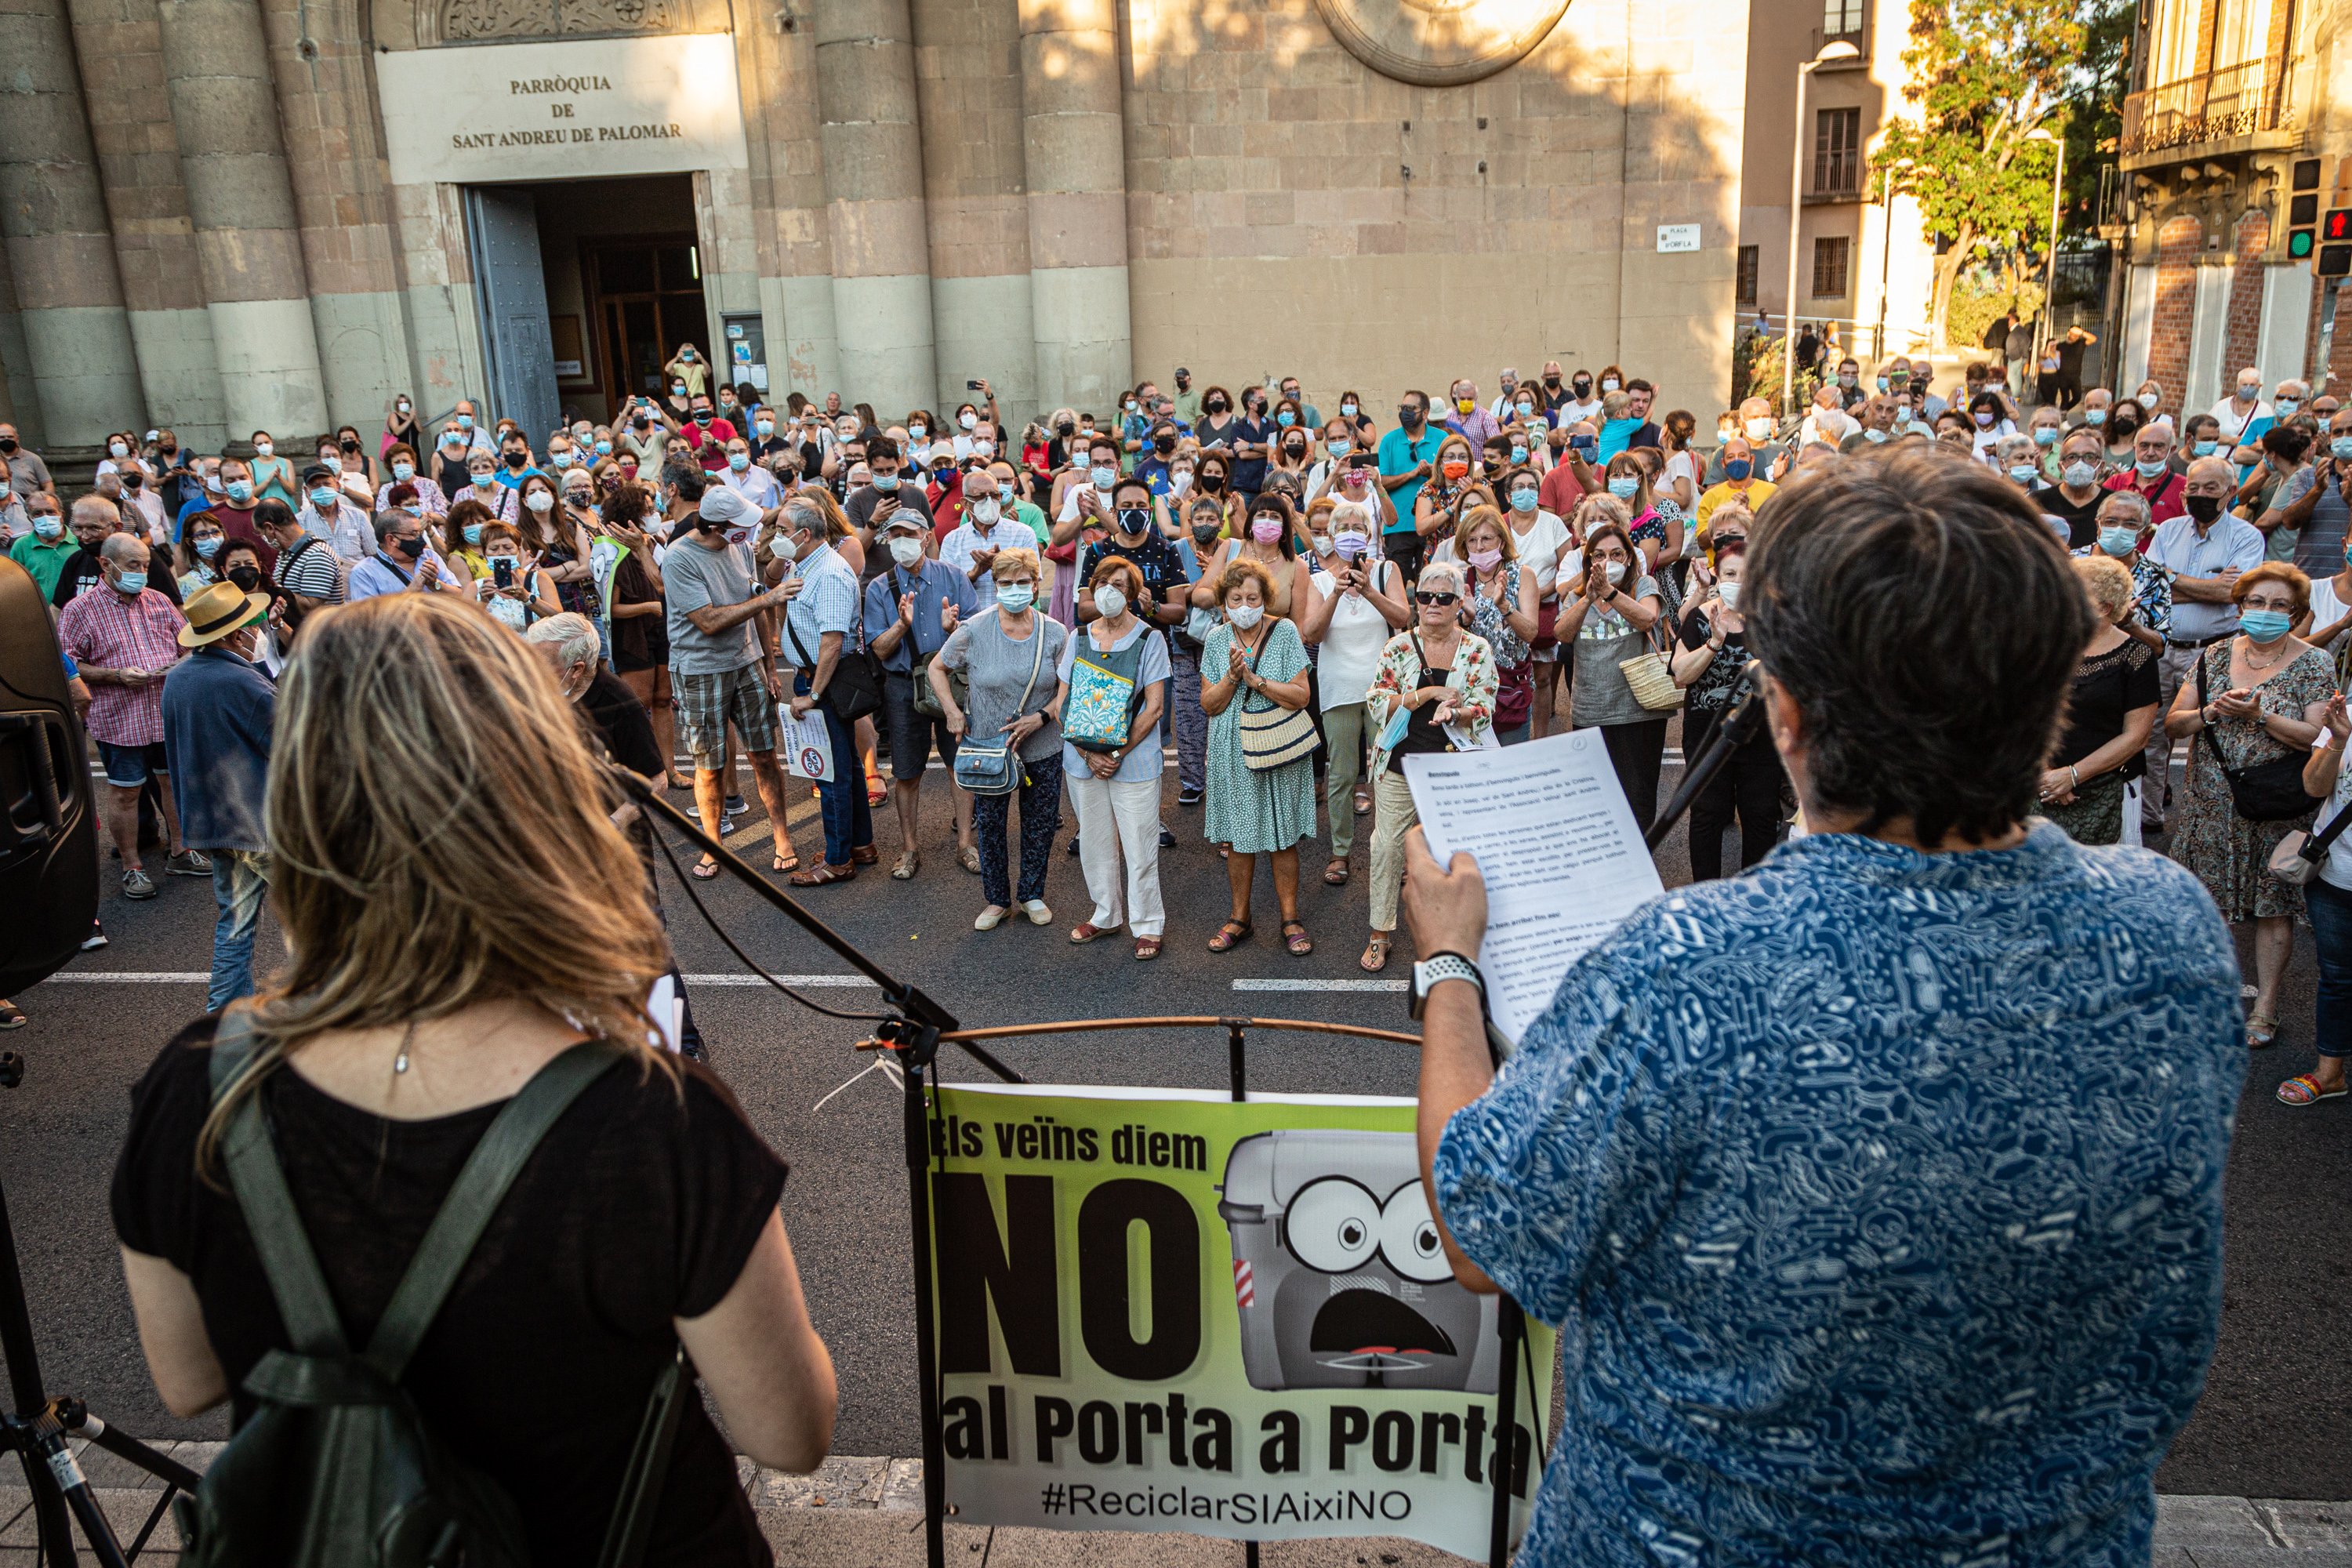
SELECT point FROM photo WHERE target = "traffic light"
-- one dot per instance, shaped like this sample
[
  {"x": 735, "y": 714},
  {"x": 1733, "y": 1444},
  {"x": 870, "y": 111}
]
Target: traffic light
[
  {"x": 2303, "y": 210},
  {"x": 2337, "y": 229}
]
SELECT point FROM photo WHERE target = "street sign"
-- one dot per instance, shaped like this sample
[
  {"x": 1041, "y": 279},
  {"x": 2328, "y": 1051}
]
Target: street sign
[{"x": 1677, "y": 237}]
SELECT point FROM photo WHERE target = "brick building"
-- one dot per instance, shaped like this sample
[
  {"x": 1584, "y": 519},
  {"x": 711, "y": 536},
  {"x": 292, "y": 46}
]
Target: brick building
[{"x": 228, "y": 214}]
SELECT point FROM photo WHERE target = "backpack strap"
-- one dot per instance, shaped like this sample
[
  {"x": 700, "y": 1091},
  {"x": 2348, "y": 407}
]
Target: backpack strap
[
  {"x": 260, "y": 1182},
  {"x": 475, "y": 1196}
]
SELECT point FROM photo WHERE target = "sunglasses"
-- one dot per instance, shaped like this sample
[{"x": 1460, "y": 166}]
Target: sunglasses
[{"x": 1421, "y": 597}]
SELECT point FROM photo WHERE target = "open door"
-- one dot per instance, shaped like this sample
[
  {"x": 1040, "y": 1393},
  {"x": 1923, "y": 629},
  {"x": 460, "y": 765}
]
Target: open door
[
  {"x": 510, "y": 286},
  {"x": 48, "y": 818}
]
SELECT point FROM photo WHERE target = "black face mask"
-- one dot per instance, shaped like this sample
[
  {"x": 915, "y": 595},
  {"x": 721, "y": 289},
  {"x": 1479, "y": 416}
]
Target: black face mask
[
  {"x": 1552, "y": 381},
  {"x": 1205, "y": 533},
  {"x": 639, "y": 423},
  {"x": 1212, "y": 483},
  {"x": 517, "y": 459},
  {"x": 1163, "y": 444},
  {"x": 247, "y": 578},
  {"x": 2120, "y": 431},
  {"x": 7, "y": 444},
  {"x": 1583, "y": 387},
  {"x": 2204, "y": 508},
  {"x": 1065, "y": 429},
  {"x": 1295, "y": 448},
  {"x": 1134, "y": 519},
  {"x": 132, "y": 478},
  {"x": 1410, "y": 418},
  {"x": 411, "y": 548},
  {"x": 1217, "y": 405}
]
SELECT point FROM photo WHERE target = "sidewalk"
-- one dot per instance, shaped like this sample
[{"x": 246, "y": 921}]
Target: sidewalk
[{"x": 867, "y": 1513}]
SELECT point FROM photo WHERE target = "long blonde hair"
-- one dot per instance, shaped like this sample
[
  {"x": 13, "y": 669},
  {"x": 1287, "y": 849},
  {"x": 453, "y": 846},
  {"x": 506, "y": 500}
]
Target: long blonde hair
[{"x": 440, "y": 837}]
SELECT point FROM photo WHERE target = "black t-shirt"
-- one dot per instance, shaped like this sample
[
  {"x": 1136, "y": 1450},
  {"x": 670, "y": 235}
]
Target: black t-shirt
[
  {"x": 80, "y": 575},
  {"x": 2107, "y": 686},
  {"x": 640, "y": 1206},
  {"x": 622, "y": 723},
  {"x": 2082, "y": 521},
  {"x": 1711, "y": 692},
  {"x": 1156, "y": 558},
  {"x": 1249, "y": 473}
]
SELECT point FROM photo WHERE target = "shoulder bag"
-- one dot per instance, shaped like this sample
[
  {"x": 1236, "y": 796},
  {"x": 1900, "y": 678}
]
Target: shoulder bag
[
  {"x": 982, "y": 768},
  {"x": 854, "y": 689},
  {"x": 2262, "y": 791},
  {"x": 2300, "y": 855},
  {"x": 1649, "y": 676},
  {"x": 1106, "y": 694},
  {"x": 1274, "y": 736},
  {"x": 925, "y": 700}
]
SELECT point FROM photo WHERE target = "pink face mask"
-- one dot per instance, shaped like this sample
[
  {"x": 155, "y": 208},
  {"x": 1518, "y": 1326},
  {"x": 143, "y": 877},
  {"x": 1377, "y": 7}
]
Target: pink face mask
[
  {"x": 1485, "y": 560},
  {"x": 1266, "y": 530}
]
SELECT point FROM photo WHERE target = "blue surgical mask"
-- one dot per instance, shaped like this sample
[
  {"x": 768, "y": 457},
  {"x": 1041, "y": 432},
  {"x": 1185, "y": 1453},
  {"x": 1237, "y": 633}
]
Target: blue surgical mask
[
  {"x": 2119, "y": 541},
  {"x": 465, "y": 422},
  {"x": 2263, "y": 626},
  {"x": 323, "y": 500},
  {"x": 208, "y": 547},
  {"x": 48, "y": 526},
  {"x": 1286, "y": 418},
  {"x": 473, "y": 532},
  {"x": 2023, "y": 473},
  {"x": 131, "y": 582},
  {"x": 1873, "y": 434},
  {"x": 2340, "y": 448},
  {"x": 1625, "y": 487},
  {"x": 1524, "y": 499},
  {"x": 1341, "y": 447},
  {"x": 558, "y": 461},
  {"x": 404, "y": 472},
  {"x": 2205, "y": 448},
  {"x": 1882, "y": 383},
  {"x": 1519, "y": 454},
  {"x": 2094, "y": 416},
  {"x": 2046, "y": 436},
  {"x": 738, "y": 462},
  {"x": 2284, "y": 408},
  {"x": 2149, "y": 469},
  {"x": 765, "y": 427},
  {"x": 1733, "y": 468},
  {"x": 1016, "y": 596},
  {"x": 886, "y": 483},
  {"x": 240, "y": 491},
  {"x": 1104, "y": 477},
  {"x": 604, "y": 448}
]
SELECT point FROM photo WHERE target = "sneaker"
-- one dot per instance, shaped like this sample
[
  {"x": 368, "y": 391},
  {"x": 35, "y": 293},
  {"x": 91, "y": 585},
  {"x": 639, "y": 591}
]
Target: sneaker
[
  {"x": 1073, "y": 843},
  {"x": 735, "y": 805},
  {"x": 1188, "y": 797},
  {"x": 95, "y": 939},
  {"x": 138, "y": 885},
  {"x": 1167, "y": 839},
  {"x": 189, "y": 863}
]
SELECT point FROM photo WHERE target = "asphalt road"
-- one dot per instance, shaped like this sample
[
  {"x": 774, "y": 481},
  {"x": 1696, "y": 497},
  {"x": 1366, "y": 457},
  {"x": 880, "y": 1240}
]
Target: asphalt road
[{"x": 2275, "y": 1420}]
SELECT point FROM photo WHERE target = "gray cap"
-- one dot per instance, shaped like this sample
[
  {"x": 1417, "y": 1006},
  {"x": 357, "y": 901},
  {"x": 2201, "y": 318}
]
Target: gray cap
[{"x": 907, "y": 517}]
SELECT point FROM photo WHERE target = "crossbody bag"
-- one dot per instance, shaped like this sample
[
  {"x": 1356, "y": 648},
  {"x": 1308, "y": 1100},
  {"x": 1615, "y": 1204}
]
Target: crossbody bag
[
  {"x": 984, "y": 769},
  {"x": 2259, "y": 792},
  {"x": 1274, "y": 736}
]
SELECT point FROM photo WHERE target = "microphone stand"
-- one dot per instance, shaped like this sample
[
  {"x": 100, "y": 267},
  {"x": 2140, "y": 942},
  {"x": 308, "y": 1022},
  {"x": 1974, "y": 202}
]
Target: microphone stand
[
  {"x": 1741, "y": 724},
  {"x": 915, "y": 1034}
]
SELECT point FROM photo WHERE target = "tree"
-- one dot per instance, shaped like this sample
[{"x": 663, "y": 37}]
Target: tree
[{"x": 1985, "y": 75}]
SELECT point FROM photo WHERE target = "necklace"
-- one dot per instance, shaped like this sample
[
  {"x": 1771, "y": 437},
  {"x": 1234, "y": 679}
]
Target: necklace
[
  {"x": 2254, "y": 663},
  {"x": 400, "y": 1061}
]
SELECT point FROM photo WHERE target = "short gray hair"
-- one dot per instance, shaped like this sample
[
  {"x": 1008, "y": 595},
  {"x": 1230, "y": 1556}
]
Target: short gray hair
[
  {"x": 2011, "y": 448},
  {"x": 97, "y": 505},
  {"x": 1448, "y": 568},
  {"x": 572, "y": 634},
  {"x": 125, "y": 550},
  {"x": 2128, "y": 501}
]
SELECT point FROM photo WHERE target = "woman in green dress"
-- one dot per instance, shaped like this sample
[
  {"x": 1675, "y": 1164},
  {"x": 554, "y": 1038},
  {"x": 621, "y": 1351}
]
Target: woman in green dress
[{"x": 1260, "y": 666}]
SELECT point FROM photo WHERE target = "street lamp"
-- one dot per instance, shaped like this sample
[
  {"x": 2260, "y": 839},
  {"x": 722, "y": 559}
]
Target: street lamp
[
  {"x": 1885, "y": 251},
  {"x": 1835, "y": 52},
  {"x": 2050, "y": 265}
]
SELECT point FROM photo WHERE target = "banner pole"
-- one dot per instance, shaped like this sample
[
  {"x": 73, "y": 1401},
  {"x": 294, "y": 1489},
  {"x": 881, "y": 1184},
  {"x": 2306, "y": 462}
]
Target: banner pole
[
  {"x": 1237, "y": 1069},
  {"x": 927, "y": 1358},
  {"x": 1509, "y": 1324}
]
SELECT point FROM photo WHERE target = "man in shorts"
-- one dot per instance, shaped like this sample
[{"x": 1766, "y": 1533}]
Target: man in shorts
[
  {"x": 126, "y": 636},
  {"x": 910, "y": 609},
  {"x": 722, "y": 649}
]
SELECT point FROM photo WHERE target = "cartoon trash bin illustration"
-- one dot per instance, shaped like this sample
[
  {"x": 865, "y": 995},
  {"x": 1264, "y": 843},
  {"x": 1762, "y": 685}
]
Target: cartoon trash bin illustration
[{"x": 1338, "y": 1276}]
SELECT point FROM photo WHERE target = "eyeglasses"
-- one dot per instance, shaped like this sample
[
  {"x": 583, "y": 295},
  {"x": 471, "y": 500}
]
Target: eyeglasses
[{"x": 1422, "y": 596}]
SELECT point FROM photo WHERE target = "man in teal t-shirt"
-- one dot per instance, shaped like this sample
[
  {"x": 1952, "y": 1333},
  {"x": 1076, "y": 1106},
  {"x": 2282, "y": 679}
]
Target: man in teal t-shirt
[
  {"x": 45, "y": 558},
  {"x": 1408, "y": 457}
]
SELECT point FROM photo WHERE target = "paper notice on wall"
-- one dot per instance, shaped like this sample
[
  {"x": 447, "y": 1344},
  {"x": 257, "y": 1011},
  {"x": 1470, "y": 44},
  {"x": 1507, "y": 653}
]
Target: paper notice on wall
[
  {"x": 1555, "y": 840},
  {"x": 805, "y": 744}
]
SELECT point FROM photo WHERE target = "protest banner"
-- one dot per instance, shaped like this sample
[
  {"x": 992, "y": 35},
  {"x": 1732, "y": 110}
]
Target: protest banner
[{"x": 1170, "y": 1311}]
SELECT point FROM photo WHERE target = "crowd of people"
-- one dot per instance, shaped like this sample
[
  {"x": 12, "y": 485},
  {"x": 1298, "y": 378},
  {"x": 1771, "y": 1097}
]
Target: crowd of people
[{"x": 1288, "y": 593}]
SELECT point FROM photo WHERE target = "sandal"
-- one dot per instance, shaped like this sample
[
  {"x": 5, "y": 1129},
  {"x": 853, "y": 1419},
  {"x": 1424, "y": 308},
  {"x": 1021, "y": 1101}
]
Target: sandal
[
  {"x": 1363, "y": 804},
  {"x": 824, "y": 875},
  {"x": 2303, "y": 1090},
  {"x": 1085, "y": 931},
  {"x": 2260, "y": 1031},
  {"x": 705, "y": 868},
  {"x": 865, "y": 854},
  {"x": 909, "y": 864},
  {"x": 1230, "y": 935},
  {"x": 1145, "y": 949},
  {"x": 1293, "y": 937},
  {"x": 1376, "y": 954},
  {"x": 968, "y": 856},
  {"x": 788, "y": 860},
  {"x": 1336, "y": 874}
]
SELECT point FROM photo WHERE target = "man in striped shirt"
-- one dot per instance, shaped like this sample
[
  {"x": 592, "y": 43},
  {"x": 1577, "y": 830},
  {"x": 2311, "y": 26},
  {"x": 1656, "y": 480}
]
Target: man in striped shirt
[{"x": 126, "y": 636}]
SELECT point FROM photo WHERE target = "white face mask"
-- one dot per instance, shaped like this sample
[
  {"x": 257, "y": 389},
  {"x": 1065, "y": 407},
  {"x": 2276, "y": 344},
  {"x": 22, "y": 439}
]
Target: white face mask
[
  {"x": 540, "y": 501},
  {"x": 905, "y": 551},
  {"x": 1109, "y": 602},
  {"x": 1759, "y": 429},
  {"x": 1730, "y": 594},
  {"x": 1246, "y": 615},
  {"x": 1616, "y": 570},
  {"x": 985, "y": 510},
  {"x": 968, "y": 421}
]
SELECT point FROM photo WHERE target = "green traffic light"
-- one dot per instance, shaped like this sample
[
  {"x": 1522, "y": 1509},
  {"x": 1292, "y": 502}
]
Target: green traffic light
[{"x": 2298, "y": 244}]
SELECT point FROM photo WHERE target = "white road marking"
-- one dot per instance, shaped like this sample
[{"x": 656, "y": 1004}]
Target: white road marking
[{"x": 1302, "y": 984}]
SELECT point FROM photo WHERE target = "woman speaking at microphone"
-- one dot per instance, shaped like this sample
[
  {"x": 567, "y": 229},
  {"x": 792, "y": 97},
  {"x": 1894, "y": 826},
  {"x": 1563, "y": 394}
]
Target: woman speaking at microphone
[
  {"x": 460, "y": 911},
  {"x": 1881, "y": 1184}
]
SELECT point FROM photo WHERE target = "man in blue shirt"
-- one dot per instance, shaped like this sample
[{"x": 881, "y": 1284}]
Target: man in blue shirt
[
  {"x": 218, "y": 709},
  {"x": 913, "y": 607},
  {"x": 1408, "y": 457},
  {"x": 1153, "y": 467},
  {"x": 402, "y": 562},
  {"x": 820, "y": 628},
  {"x": 1881, "y": 1186}
]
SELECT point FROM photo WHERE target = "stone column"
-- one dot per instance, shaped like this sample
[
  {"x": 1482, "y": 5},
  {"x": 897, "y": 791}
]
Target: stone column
[
  {"x": 1073, "y": 141},
  {"x": 874, "y": 182},
  {"x": 782, "y": 136},
  {"x": 121, "y": 47},
  {"x": 241, "y": 203},
  {"x": 968, "y": 82},
  {"x": 53, "y": 218}
]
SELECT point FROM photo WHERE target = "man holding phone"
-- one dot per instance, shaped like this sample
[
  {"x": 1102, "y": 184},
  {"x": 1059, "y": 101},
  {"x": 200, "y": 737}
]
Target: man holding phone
[{"x": 723, "y": 647}]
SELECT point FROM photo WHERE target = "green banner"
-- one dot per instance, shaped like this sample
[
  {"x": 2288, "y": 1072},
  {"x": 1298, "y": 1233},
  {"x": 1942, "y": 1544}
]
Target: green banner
[{"x": 1163, "y": 1310}]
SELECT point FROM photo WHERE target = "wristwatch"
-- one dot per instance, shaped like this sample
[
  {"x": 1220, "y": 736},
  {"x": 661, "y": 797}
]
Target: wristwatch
[{"x": 1439, "y": 966}]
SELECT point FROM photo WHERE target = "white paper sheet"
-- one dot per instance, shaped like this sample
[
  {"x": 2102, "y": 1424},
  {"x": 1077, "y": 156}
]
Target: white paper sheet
[
  {"x": 1555, "y": 840},
  {"x": 805, "y": 744}
]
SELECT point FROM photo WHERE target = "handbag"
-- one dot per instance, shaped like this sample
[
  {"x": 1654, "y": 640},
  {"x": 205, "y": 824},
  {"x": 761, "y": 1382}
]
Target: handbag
[
  {"x": 2300, "y": 854},
  {"x": 983, "y": 769},
  {"x": 855, "y": 688},
  {"x": 1106, "y": 694},
  {"x": 1651, "y": 678},
  {"x": 2261, "y": 792},
  {"x": 1275, "y": 736}
]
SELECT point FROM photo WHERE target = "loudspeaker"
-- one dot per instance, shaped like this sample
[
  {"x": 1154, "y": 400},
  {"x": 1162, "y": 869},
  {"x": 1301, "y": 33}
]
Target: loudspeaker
[{"x": 48, "y": 813}]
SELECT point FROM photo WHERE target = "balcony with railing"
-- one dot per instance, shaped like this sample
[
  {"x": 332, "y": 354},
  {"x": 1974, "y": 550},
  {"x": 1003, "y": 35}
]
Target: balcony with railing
[{"x": 2251, "y": 107}]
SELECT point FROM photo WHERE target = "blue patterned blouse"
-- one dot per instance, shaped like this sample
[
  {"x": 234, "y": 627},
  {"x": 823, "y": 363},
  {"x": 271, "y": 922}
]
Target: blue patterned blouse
[{"x": 1879, "y": 1197}]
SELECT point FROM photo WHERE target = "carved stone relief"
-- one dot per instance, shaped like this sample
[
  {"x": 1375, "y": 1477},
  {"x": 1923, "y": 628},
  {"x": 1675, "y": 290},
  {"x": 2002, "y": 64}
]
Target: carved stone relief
[
  {"x": 1440, "y": 43},
  {"x": 467, "y": 20}
]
